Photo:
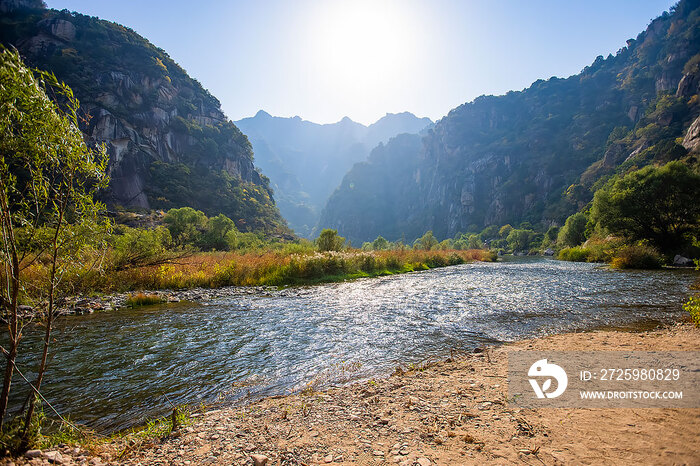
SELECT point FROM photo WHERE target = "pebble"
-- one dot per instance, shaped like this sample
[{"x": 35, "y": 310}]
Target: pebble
[
  {"x": 53, "y": 457},
  {"x": 33, "y": 454},
  {"x": 259, "y": 460},
  {"x": 423, "y": 461}
]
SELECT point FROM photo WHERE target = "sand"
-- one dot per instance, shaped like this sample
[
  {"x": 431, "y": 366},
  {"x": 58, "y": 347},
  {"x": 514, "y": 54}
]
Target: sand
[{"x": 451, "y": 412}]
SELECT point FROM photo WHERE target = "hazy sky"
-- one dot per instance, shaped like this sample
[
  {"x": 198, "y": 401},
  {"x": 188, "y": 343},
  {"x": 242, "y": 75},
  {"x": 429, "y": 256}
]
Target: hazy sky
[{"x": 325, "y": 59}]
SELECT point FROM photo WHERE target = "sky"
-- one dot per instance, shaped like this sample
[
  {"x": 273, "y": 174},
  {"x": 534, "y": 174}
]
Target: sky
[{"x": 326, "y": 59}]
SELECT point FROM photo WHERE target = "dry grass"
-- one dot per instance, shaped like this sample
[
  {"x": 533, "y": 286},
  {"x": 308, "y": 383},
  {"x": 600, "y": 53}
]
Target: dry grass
[{"x": 276, "y": 268}]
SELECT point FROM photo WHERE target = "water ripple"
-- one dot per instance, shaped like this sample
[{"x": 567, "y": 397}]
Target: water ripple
[{"x": 111, "y": 370}]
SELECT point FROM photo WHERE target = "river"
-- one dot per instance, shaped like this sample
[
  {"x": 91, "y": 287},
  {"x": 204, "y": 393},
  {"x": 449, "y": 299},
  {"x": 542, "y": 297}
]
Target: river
[{"x": 111, "y": 370}]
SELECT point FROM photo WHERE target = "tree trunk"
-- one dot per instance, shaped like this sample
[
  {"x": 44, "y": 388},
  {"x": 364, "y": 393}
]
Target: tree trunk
[
  {"x": 47, "y": 336},
  {"x": 13, "y": 326}
]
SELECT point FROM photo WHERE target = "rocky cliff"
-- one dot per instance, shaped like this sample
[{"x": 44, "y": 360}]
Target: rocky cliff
[
  {"x": 535, "y": 155},
  {"x": 169, "y": 143},
  {"x": 306, "y": 161}
]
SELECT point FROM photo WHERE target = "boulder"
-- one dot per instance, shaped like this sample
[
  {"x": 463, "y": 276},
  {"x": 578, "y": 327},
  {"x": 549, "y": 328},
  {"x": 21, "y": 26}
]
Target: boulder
[
  {"x": 549, "y": 252},
  {"x": 680, "y": 261}
]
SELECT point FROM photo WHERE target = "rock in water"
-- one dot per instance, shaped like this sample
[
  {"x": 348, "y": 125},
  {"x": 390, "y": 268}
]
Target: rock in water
[{"x": 680, "y": 261}]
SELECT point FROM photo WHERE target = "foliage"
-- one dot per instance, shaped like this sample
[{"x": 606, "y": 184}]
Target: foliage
[
  {"x": 575, "y": 254},
  {"x": 135, "y": 247},
  {"x": 637, "y": 256},
  {"x": 143, "y": 299},
  {"x": 380, "y": 244},
  {"x": 520, "y": 240},
  {"x": 329, "y": 240},
  {"x": 659, "y": 205},
  {"x": 573, "y": 232},
  {"x": 550, "y": 237},
  {"x": 692, "y": 307},
  {"x": 426, "y": 242},
  {"x": 505, "y": 230},
  {"x": 48, "y": 179},
  {"x": 186, "y": 225}
]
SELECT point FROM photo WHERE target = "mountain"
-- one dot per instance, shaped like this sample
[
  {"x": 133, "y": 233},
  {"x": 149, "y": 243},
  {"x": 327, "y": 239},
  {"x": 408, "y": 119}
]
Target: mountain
[
  {"x": 536, "y": 155},
  {"x": 306, "y": 161},
  {"x": 169, "y": 143}
]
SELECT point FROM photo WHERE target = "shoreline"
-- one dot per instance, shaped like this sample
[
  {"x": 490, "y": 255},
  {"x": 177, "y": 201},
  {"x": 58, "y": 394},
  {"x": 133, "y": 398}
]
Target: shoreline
[{"x": 449, "y": 412}]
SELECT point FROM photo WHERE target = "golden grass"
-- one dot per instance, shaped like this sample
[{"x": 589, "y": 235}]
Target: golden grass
[{"x": 276, "y": 268}]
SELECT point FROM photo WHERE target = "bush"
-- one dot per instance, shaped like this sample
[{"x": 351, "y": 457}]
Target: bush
[
  {"x": 575, "y": 254},
  {"x": 136, "y": 247},
  {"x": 573, "y": 231},
  {"x": 637, "y": 256},
  {"x": 693, "y": 308},
  {"x": 143, "y": 299},
  {"x": 329, "y": 240}
]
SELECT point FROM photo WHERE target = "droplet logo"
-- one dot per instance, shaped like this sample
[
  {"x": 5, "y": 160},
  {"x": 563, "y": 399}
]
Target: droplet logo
[{"x": 542, "y": 369}]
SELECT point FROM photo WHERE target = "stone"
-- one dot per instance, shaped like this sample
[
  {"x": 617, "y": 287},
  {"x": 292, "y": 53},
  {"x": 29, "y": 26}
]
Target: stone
[
  {"x": 423, "y": 461},
  {"x": 549, "y": 252},
  {"x": 53, "y": 457},
  {"x": 680, "y": 261},
  {"x": 328, "y": 459},
  {"x": 33, "y": 454},
  {"x": 259, "y": 460}
]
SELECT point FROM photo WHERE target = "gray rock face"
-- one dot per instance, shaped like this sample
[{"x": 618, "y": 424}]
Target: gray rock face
[
  {"x": 142, "y": 106},
  {"x": 62, "y": 29},
  {"x": 691, "y": 141}
]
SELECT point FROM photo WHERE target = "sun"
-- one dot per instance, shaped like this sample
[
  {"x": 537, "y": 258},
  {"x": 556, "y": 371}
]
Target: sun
[{"x": 361, "y": 47}]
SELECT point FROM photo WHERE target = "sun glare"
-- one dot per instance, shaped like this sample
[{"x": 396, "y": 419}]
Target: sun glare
[{"x": 360, "y": 48}]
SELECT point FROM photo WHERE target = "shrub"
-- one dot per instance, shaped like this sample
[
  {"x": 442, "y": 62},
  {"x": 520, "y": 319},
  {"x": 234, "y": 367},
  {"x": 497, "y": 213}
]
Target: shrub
[
  {"x": 143, "y": 299},
  {"x": 329, "y": 240},
  {"x": 637, "y": 256},
  {"x": 573, "y": 231},
  {"x": 693, "y": 308},
  {"x": 575, "y": 254}
]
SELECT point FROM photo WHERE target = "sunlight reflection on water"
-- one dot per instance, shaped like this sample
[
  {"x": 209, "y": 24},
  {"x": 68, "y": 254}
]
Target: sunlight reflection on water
[{"x": 111, "y": 370}]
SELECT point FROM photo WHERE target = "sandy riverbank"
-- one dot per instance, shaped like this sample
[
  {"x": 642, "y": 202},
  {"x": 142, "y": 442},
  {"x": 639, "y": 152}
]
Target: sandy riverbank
[{"x": 453, "y": 412}]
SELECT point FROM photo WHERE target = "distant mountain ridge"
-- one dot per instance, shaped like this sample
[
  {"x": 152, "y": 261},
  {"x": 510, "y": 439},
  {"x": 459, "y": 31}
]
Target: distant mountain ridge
[
  {"x": 306, "y": 161},
  {"x": 536, "y": 155},
  {"x": 170, "y": 144}
]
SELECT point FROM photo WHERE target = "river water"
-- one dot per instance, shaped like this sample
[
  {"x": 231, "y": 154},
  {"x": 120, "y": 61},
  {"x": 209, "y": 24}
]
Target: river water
[{"x": 111, "y": 370}]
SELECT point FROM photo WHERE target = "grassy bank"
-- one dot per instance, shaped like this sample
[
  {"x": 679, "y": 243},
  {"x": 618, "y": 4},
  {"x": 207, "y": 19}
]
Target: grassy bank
[{"x": 275, "y": 268}]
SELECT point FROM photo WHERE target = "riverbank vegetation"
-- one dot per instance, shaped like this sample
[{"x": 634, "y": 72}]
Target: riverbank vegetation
[{"x": 642, "y": 219}]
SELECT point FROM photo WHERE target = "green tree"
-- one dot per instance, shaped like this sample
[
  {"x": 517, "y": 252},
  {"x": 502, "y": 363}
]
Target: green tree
[
  {"x": 657, "y": 204},
  {"x": 380, "y": 244},
  {"x": 505, "y": 231},
  {"x": 216, "y": 230},
  {"x": 329, "y": 240},
  {"x": 186, "y": 225},
  {"x": 48, "y": 177},
  {"x": 474, "y": 242},
  {"x": 550, "y": 237},
  {"x": 426, "y": 242},
  {"x": 489, "y": 233},
  {"x": 519, "y": 240},
  {"x": 573, "y": 232}
]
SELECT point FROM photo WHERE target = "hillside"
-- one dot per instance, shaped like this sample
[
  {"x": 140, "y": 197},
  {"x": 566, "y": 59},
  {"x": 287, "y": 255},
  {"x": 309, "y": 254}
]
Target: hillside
[
  {"x": 536, "y": 155},
  {"x": 306, "y": 161},
  {"x": 169, "y": 143}
]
